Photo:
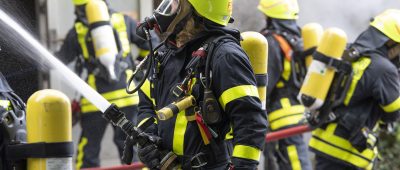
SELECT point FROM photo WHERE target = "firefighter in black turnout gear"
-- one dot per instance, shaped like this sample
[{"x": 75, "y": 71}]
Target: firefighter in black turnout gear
[
  {"x": 12, "y": 125},
  {"x": 286, "y": 69},
  {"x": 78, "y": 46},
  {"x": 372, "y": 99},
  {"x": 201, "y": 61}
]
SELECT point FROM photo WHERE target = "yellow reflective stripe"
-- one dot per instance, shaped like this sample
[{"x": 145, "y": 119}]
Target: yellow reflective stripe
[
  {"x": 338, "y": 153},
  {"x": 358, "y": 70},
  {"x": 285, "y": 102},
  {"x": 146, "y": 90},
  {"x": 340, "y": 148},
  {"x": 79, "y": 158},
  {"x": 179, "y": 133},
  {"x": 286, "y": 69},
  {"x": 121, "y": 102},
  {"x": 118, "y": 22},
  {"x": 284, "y": 112},
  {"x": 246, "y": 152},
  {"x": 81, "y": 31},
  {"x": 92, "y": 81},
  {"x": 5, "y": 104},
  {"x": 394, "y": 106},
  {"x": 294, "y": 157},
  {"x": 144, "y": 120},
  {"x": 280, "y": 84},
  {"x": 286, "y": 121},
  {"x": 236, "y": 93},
  {"x": 229, "y": 135},
  {"x": 143, "y": 53}
]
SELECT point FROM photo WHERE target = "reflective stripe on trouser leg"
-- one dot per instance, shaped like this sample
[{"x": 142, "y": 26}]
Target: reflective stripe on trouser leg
[
  {"x": 293, "y": 157},
  {"x": 93, "y": 128},
  {"x": 289, "y": 155},
  {"x": 79, "y": 157}
]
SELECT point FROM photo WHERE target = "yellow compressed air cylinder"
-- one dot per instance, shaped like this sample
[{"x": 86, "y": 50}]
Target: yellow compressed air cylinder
[
  {"x": 48, "y": 119},
  {"x": 102, "y": 35},
  {"x": 319, "y": 76},
  {"x": 256, "y": 47},
  {"x": 311, "y": 34}
]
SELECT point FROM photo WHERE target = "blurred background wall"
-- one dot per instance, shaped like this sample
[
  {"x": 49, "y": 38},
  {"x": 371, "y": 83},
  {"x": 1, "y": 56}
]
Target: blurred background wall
[{"x": 350, "y": 15}]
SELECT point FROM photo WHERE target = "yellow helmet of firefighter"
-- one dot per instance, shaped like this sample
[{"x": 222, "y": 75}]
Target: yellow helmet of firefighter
[
  {"x": 279, "y": 9},
  {"x": 388, "y": 23},
  {"x": 218, "y": 11},
  {"x": 79, "y": 2}
]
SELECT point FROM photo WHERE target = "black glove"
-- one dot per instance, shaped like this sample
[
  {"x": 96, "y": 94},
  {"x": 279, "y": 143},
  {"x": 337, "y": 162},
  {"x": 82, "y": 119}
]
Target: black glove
[{"x": 149, "y": 155}]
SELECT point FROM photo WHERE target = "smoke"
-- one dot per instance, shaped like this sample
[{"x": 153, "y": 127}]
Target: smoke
[{"x": 352, "y": 16}]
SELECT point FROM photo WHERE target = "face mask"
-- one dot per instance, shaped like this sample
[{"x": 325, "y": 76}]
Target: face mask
[{"x": 161, "y": 19}]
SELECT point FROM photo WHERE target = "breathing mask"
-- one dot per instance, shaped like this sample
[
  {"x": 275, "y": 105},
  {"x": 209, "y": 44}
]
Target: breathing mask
[{"x": 161, "y": 19}]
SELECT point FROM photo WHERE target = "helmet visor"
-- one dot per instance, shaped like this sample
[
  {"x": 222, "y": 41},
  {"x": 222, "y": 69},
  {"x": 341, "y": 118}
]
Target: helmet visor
[{"x": 168, "y": 7}]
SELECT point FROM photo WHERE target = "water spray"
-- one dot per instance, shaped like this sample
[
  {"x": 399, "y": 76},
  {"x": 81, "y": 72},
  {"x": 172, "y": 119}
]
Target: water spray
[
  {"x": 110, "y": 111},
  {"x": 70, "y": 77}
]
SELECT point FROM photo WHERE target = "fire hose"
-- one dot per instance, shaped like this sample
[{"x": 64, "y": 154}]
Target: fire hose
[{"x": 272, "y": 136}]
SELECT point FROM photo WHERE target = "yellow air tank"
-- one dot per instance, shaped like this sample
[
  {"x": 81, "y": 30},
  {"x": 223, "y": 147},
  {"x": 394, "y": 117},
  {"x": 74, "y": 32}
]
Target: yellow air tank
[
  {"x": 256, "y": 47},
  {"x": 48, "y": 120},
  {"x": 102, "y": 35},
  {"x": 311, "y": 34},
  {"x": 319, "y": 76}
]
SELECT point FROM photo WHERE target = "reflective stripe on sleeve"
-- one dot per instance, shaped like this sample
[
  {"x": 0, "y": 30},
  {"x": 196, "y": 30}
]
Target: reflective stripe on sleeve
[
  {"x": 392, "y": 107},
  {"x": 236, "y": 93},
  {"x": 246, "y": 152}
]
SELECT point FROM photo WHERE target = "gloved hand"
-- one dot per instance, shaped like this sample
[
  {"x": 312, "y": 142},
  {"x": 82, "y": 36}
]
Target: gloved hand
[{"x": 149, "y": 155}]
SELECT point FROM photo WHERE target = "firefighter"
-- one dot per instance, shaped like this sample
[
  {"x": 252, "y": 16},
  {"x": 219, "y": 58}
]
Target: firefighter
[
  {"x": 285, "y": 71},
  {"x": 201, "y": 57},
  {"x": 12, "y": 124},
  {"x": 78, "y": 46},
  {"x": 371, "y": 101}
]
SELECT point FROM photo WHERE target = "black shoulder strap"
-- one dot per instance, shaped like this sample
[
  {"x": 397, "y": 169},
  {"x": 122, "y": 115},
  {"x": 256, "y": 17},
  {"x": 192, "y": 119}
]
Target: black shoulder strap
[{"x": 212, "y": 44}]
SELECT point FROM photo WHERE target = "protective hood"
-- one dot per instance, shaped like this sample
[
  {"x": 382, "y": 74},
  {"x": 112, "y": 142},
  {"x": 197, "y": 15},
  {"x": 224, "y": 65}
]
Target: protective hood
[
  {"x": 371, "y": 40},
  {"x": 4, "y": 87},
  {"x": 283, "y": 25}
]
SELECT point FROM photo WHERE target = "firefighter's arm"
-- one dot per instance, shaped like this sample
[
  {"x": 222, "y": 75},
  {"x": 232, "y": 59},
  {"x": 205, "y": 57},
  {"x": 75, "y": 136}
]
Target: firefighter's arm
[
  {"x": 235, "y": 87},
  {"x": 387, "y": 92},
  {"x": 70, "y": 48},
  {"x": 146, "y": 108}
]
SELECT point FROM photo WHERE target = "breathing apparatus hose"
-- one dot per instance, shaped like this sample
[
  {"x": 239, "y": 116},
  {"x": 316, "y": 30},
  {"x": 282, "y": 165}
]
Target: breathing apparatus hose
[{"x": 140, "y": 65}]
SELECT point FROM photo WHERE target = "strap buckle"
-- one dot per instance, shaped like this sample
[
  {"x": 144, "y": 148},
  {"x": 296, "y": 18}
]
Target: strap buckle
[{"x": 199, "y": 160}]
